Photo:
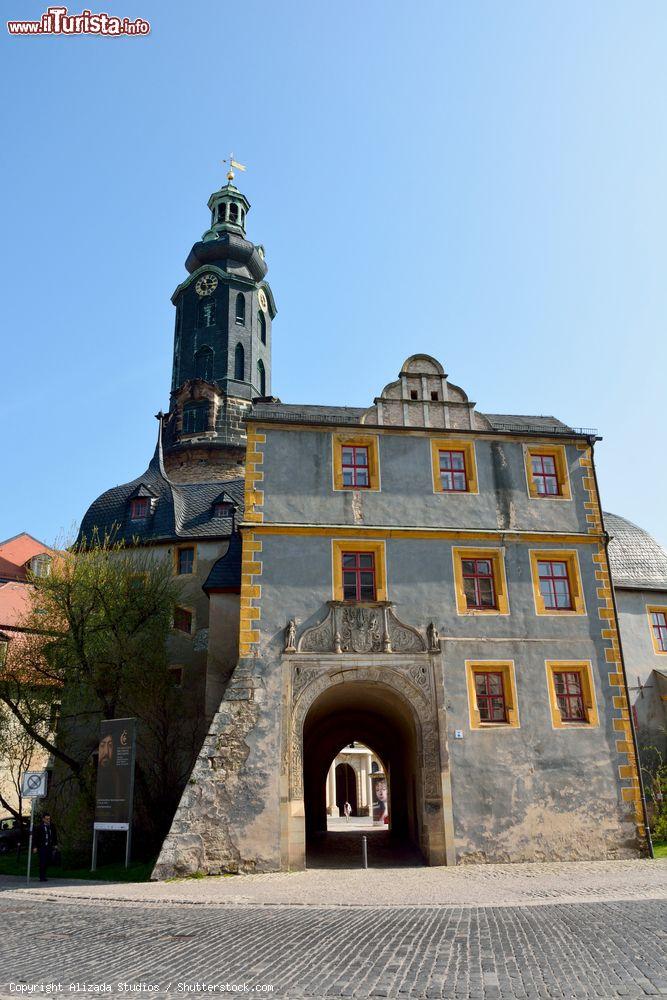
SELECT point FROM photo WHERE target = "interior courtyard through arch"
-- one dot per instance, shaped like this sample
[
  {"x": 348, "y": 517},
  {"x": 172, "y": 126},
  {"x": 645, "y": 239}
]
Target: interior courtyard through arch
[{"x": 360, "y": 746}]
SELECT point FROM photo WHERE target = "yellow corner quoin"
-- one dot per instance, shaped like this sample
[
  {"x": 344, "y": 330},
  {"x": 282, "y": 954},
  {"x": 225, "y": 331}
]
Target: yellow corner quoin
[
  {"x": 369, "y": 441},
  {"x": 559, "y": 455},
  {"x": 338, "y": 546},
  {"x": 254, "y": 497},
  {"x": 571, "y": 558},
  {"x": 454, "y": 444},
  {"x": 506, "y": 669},
  {"x": 250, "y": 615},
  {"x": 615, "y": 677},
  {"x": 592, "y": 504},
  {"x": 653, "y": 609},
  {"x": 496, "y": 557},
  {"x": 583, "y": 669}
]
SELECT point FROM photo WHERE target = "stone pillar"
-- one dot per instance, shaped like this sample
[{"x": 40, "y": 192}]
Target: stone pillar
[
  {"x": 331, "y": 789},
  {"x": 364, "y": 768}
]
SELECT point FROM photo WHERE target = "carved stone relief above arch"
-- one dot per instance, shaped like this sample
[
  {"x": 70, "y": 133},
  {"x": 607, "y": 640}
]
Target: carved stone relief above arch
[{"x": 357, "y": 628}]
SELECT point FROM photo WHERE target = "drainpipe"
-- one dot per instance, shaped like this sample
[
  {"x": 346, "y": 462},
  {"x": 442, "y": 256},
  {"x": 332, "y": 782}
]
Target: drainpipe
[{"x": 591, "y": 441}]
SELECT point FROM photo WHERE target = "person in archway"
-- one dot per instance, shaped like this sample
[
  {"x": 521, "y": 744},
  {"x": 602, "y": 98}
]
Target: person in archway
[{"x": 347, "y": 809}]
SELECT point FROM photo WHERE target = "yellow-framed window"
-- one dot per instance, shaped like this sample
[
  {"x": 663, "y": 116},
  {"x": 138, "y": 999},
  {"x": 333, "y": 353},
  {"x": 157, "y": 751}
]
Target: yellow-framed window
[
  {"x": 356, "y": 462},
  {"x": 357, "y": 565},
  {"x": 183, "y": 620},
  {"x": 185, "y": 559},
  {"x": 572, "y": 700},
  {"x": 547, "y": 473},
  {"x": 657, "y": 620},
  {"x": 556, "y": 578},
  {"x": 453, "y": 466},
  {"x": 480, "y": 582},
  {"x": 492, "y": 700}
]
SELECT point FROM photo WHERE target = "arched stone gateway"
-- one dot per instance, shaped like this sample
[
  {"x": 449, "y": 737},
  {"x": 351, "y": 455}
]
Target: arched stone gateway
[
  {"x": 394, "y": 702},
  {"x": 259, "y": 780}
]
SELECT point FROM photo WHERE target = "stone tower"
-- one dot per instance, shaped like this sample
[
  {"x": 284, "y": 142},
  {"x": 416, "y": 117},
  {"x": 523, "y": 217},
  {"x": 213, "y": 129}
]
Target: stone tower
[{"x": 222, "y": 346}]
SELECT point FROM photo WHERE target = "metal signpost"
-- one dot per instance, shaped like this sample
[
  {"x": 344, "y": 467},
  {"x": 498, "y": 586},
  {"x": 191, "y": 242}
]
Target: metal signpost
[
  {"x": 33, "y": 786},
  {"x": 115, "y": 781}
]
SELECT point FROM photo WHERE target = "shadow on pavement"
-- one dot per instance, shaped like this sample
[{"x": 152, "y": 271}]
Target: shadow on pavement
[{"x": 342, "y": 849}]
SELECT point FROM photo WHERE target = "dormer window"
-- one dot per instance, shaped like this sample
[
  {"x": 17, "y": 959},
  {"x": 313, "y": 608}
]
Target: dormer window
[
  {"x": 139, "y": 508},
  {"x": 40, "y": 565},
  {"x": 223, "y": 508}
]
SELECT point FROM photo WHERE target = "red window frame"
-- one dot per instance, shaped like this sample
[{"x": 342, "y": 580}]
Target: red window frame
[
  {"x": 355, "y": 471},
  {"x": 491, "y": 703},
  {"x": 138, "y": 508},
  {"x": 447, "y": 455},
  {"x": 552, "y": 595},
  {"x": 473, "y": 570},
  {"x": 223, "y": 509},
  {"x": 186, "y": 561},
  {"x": 358, "y": 575},
  {"x": 570, "y": 697},
  {"x": 659, "y": 626},
  {"x": 183, "y": 620},
  {"x": 543, "y": 476}
]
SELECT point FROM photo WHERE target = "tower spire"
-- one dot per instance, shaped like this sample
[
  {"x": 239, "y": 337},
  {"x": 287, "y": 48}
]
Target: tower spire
[{"x": 222, "y": 344}]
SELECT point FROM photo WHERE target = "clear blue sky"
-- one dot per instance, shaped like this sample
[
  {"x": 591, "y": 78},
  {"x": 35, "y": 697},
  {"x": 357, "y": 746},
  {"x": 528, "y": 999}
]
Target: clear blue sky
[{"x": 485, "y": 182}]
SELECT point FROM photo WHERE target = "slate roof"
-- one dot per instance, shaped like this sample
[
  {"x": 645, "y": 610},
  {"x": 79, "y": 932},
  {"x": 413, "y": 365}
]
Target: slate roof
[
  {"x": 518, "y": 421},
  {"x": 177, "y": 510},
  {"x": 637, "y": 561},
  {"x": 306, "y": 411},
  {"x": 226, "y": 572},
  {"x": 297, "y": 412}
]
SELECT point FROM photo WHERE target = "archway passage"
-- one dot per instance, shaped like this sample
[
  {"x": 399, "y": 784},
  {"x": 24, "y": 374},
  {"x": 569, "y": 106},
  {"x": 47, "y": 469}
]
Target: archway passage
[
  {"x": 346, "y": 788},
  {"x": 381, "y": 719}
]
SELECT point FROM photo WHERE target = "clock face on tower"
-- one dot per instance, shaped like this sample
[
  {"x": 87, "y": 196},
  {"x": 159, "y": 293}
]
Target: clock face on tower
[
  {"x": 261, "y": 298},
  {"x": 206, "y": 285}
]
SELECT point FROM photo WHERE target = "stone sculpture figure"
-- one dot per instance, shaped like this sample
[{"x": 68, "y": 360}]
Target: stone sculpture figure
[{"x": 290, "y": 636}]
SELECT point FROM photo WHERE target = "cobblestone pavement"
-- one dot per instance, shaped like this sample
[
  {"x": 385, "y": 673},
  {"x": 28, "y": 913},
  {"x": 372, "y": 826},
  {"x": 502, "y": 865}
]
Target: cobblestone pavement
[
  {"x": 602, "y": 949},
  {"x": 463, "y": 885}
]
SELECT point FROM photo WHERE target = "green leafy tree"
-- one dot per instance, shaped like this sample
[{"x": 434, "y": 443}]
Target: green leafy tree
[
  {"x": 654, "y": 769},
  {"x": 95, "y": 637}
]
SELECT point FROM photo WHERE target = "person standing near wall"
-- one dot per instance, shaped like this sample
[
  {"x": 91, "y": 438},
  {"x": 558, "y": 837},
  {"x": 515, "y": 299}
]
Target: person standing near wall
[{"x": 46, "y": 839}]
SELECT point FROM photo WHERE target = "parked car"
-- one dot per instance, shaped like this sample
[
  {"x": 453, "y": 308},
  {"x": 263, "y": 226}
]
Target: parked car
[{"x": 12, "y": 833}]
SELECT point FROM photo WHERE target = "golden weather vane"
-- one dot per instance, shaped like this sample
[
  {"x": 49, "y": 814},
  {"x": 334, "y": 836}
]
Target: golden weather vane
[{"x": 233, "y": 165}]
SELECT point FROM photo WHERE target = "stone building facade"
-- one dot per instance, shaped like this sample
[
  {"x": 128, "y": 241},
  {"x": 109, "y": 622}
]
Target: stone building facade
[
  {"x": 416, "y": 576},
  {"x": 639, "y": 571}
]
